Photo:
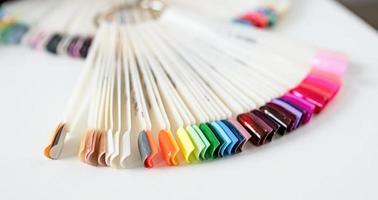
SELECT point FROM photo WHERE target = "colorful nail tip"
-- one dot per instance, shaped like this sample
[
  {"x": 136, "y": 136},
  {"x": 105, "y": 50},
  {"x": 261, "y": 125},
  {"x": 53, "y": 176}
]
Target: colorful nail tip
[{"x": 169, "y": 147}]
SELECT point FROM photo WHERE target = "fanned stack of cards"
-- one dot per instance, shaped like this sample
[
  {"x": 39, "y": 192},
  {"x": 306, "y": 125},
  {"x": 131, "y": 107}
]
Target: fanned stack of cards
[
  {"x": 67, "y": 27},
  {"x": 171, "y": 88}
]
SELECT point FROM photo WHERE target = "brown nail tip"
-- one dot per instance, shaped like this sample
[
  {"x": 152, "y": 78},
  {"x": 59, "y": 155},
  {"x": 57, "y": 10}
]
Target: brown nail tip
[
  {"x": 91, "y": 156},
  {"x": 54, "y": 141},
  {"x": 278, "y": 117},
  {"x": 268, "y": 131},
  {"x": 277, "y": 128}
]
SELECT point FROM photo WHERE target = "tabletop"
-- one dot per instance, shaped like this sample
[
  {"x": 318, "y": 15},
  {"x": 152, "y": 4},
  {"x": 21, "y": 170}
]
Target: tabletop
[{"x": 335, "y": 156}]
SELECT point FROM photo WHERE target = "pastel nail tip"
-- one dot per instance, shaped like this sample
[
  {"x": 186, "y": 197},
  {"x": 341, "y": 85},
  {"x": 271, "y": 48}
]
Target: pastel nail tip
[
  {"x": 242, "y": 131},
  {"x": 240, "y": 139},
  {"x": 331, "y": 62},
  {"x": 222, "y": 137},
  {"x": 204, "y": 140},
  {"x": 297, "y": 113},
  {"x": 228, "y": 148}
]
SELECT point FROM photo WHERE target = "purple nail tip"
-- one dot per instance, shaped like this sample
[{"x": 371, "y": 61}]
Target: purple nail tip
[{"x": 298, "y": 114}]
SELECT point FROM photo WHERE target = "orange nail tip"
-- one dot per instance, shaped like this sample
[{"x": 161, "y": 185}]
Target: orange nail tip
[{"x": 169, "y": 147}]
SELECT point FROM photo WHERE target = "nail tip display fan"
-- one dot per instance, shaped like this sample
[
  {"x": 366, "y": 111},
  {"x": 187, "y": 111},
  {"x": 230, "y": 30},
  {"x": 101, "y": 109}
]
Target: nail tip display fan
[{"x": 182, "y": 89}]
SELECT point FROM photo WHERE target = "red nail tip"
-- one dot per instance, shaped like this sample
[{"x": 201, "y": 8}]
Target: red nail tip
[{"x": 258, "y": 135}]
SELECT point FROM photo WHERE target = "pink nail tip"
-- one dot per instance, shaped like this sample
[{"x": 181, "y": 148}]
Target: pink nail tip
[{"x": 331, "y": 62}]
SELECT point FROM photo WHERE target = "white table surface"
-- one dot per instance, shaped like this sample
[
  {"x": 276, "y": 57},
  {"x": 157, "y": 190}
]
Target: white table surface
[{"x": 335, "y": 156}]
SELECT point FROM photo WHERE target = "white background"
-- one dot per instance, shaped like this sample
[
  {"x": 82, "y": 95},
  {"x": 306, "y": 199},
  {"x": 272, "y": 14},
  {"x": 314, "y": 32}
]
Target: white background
[{"x": 334, "y": 157}]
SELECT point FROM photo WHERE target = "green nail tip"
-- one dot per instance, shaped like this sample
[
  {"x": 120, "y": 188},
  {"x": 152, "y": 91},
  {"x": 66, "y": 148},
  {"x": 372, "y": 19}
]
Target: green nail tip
[{"x": 214, "y": 142}]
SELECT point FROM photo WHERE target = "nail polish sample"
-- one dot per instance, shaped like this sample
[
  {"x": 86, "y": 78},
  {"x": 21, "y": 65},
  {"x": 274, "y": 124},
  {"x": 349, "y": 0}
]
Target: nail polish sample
[
  {"x": 222, "y": 137},
  {"x": 296, "y": 112},
  {"x": 70, "y": 47},
  {"x": 147, "y": 148},
  {"x": 312, "y": 97},
  {"x": 196, "y": 140},
  {"x": 285, "y": 121},
  {"x": 327, "y": 87},
  {"x": 240, "y": 139},
  {"x": 234, "y": 140},
  {"x": 204, "y": 141},
  {"x": 268, "y": 131},
  {"x": 242, "y": 132},
  {"x": 186, "y": 145},
  {"x": 331, "y": 62},
  {"x": 169, "y": 147},
  {"x": 53, "y": 43},
  {"x": 256, "y": 132},
  {"x": 213, "y": 149},
  {"x": 85, "y": 47},
  {"x": 144, "y": 147},
  {"x": 76, "y": 48},
  {"x": 302, "y": 104},
  {"x": 278, "y": 129}
]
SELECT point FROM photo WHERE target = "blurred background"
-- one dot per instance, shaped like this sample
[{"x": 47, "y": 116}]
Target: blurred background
[{"x": 366, "y": 9}]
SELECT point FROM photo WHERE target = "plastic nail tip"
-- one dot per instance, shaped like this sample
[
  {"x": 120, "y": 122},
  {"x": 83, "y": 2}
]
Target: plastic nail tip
[
  {"x": 197, "y": 142},
  {"x": 299, "y": 103},
  {"x": 91, "y": 148},
  {"x": 186, "y": 146},
  {"x": 318, "y": 100},
  {"x": 224, "y": 140},
  {"x": 204, "y": 141},
  {"x": 289, "y": 108},
  {"x": 15, "y": 33},
  {"x": 257, "y": 19},
  {"x": 242, "y": 131},
  {"x": 271, "y": 14},
  {"x": 70, "y": 49},
  {"x": 213, "y": 149},
  {"x": 322, "y": 86},
  {"x": 256, "y": 132},
  {"x": 168, "y": 146},
  {"x": 269, "y": 132},
  {"x": 240, "y": 139},
  {"x": 101, "y": 149},
  {"x": 277, "y": 128},
  {"x": 147, "y": 148},
  {"x": 278, "y": 117},
  {"x": 55, "y": 146},
  {"x": 85, "y": 47},
  {"x": 325, "y": 75},
  {"x": 331, "y": 62},
  {"x": 231, "y": 148},
  {"x": 53, "y": 43},
  {"x": 76, "y": 48}
]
